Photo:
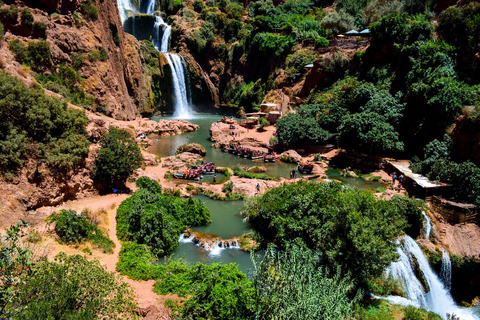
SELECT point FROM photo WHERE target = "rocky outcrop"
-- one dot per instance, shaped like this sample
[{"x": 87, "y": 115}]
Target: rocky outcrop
[
  {"x": 210, "y": 242},
  {"x": 149, "y": 159},
  {"x": 248, "y": 187},
  {"x": 291, "y": 156},
  {"x": 221, "y": 135},
  {"x": 192, "y": 148},
  {"x": 180, "y": 162},
  {"x": 117, "y": 83}
]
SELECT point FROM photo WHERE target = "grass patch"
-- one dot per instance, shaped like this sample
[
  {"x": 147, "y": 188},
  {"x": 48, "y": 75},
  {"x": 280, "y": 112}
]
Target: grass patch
[{"x": 244, "y": 174}]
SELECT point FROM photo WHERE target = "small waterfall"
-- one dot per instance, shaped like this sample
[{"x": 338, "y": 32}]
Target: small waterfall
[
  {"x": 151, "y": 6},
  {"x": 165, "y": 38},
  {"x": 428, "y": 226},
  {"x": 161, "y": 44},
  {"x": 184, "y": 239},
  {"x": 432, "y": 295},
  {"x": 177, "y": 66},
  {"x": 446, "y": 271}
]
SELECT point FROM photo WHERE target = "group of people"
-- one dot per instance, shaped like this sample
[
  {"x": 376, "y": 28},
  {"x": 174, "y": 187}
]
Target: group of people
[
  {"x": 293, "y": 174},
  {"x": 394, "y": 177}
]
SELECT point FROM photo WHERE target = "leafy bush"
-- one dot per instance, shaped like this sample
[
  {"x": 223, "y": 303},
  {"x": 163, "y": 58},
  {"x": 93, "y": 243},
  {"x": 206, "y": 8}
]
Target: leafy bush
[
  {"x": 55, "y": 133},
  {"x": 198, "y": 5},
  {"x": 2, "y": 31},
  {"x": 27, "y": 17},
  {"x": 321, "y": 42},
  {"x": 78, "y": 59},
  {"x": 234, "y": 11},
  {"x": 216, "y": 291},
  {"x": 156, "y": 219},
  {"x": 19, "y": 51},
  {"x": 71, "y": 287},
  {"x": 271, "y": 44},
  {"x": 326, "y": 217},
  {"x": 137, "y": 262},
  {"x": 103, "y": 54},
  {"x": 293, "y": 284},
  {"x": 39, "y": 29},
  {"x": 39, "y": 54},
  {"x": 118, "y": 158},
  {"x": 78, "y": 19},
  {"x": 89, "y": 9},
  {"x": 75, "y": 228},
  {"x": 299, "y": 59},
  {"x": 227, "y": 187},
  {"x": 338, "y": 22},
  {"x": 9, "y": 14}
]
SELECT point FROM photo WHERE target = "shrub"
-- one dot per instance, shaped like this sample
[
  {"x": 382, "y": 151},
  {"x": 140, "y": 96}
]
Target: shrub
[
  {"x": 227, "y": 187},
  {"x": 93, "y": 56},
  {"x": 78, "y": 19},
  {"x": 10, "y": 13},
  {"x": 55, "y": 134},
  {"x": 75, "y": 228},
  {"x": 83, "y": 289},
  {"x": 19, "y": 51},
  {"x": 103, "y": 54},
  {"x": 198, "y": 5},
  {"x": 39, "y": 54},
  {"x": 118, "y": 158},
  {"x": 78, "y": 59},
  {"x": 2, "y": 31},
  {"x": 27, "y": 17},
  {"x": 89, "y": 9},
  {"x": 299, "y": 59},
  {"x": 321, "y": 42},
  {"x": 39, "y": 29},
  {"x": 234, "y": 11},
  {"x": 338, "y": 22}
]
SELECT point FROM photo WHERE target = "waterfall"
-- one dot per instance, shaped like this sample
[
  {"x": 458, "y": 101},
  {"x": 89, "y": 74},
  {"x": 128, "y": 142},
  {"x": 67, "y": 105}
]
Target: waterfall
[
  {"x": 427, "y": 225},
  {"x": 180, "y": 76},
  {"x": 177, "y": 66},
  {"x": 446, "y": 271},
  {"x": 432, "y": 295},
  {"x": 123, "y": 7}
]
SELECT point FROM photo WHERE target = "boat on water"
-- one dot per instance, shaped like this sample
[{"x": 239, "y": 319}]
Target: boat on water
[
  {"x": 269, "y": 158},
  {"x": 190, "y": 174},
  {"x": 305, "y": 168}
]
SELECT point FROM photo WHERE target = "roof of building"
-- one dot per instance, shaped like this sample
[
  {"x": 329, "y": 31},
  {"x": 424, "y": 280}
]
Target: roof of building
[{"x": 424, "y": 182}]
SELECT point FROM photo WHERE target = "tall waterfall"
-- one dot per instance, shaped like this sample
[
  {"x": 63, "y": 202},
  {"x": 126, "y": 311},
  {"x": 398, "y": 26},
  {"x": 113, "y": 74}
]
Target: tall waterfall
[
  {"x": 432, "y": 295},
  {"x": 427, "y": 225},
  {"x": 178, "y": 68},
  {"x": 446, "y": 271},
  {"x": 180, "y": 77}
]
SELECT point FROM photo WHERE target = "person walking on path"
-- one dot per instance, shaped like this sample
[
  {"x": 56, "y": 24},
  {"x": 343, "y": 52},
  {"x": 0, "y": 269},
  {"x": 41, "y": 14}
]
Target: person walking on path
[{"x": 258, "y": 187}]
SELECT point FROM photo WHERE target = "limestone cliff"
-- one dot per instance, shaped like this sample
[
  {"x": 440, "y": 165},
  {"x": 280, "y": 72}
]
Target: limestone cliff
[{"x": 117, "y": 83}]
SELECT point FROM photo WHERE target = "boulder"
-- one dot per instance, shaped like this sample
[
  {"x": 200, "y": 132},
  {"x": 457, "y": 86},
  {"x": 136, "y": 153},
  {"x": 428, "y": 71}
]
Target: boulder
[
  {"x": 290, "y": 156},
  {"x": 149, "y": 159},
  {"x": 248, "y": 187},
  {"x": 180, "y": 162},
  {"x": 192, "y": 148}
]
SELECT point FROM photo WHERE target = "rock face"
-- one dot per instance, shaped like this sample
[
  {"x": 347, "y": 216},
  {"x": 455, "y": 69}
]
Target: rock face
[
  {"x": 220, "y": 134},
  {"x": 291, "y": 156},
  {"x": 192, "y": 148},
  {"x": 180, "y": 162},
  {"x": 248, "y": 187},
  {"x": 117, "y": 83}
]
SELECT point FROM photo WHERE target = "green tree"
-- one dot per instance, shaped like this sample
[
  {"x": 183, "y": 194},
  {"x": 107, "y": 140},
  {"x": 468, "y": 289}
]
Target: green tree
[
  {"x": 338, "y": 22},
  {"x": 15, "y": 265},
  {"x": 293, "y": 284},
  {"x": 71, "y": 287},
  {"x": 216, "y": 291},
  {"x": 118, "y": 158},
  {"x": 348, "y": 227}
]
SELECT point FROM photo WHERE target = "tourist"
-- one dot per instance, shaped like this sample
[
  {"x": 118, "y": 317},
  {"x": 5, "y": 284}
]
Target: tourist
[
  {"x": 400, "y": 179},
  {"x": 215, "y": 178},
  {"x": 258, "y": 188},
  {"x": 296, "y": 173},
  {"x": 394, "y": 177}
]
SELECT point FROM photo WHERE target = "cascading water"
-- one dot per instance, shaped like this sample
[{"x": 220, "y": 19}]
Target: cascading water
[
  {"x": 446, "y": 271},
  {"x": 177, "y": 66},
  {"x": 432, "y": 295},
  {"x": 176, "y": 62},
  {"x": 427, "y": 225}
]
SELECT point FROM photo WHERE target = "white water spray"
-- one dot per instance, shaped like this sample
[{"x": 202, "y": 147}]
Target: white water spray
[
  {"x": 428, "y": 226},
  {"x": 178, "y": 67},
  {"x": 434, "y": 297},
  {"x": 446, "y": 271},
  {"x": 124, "y": 7}
]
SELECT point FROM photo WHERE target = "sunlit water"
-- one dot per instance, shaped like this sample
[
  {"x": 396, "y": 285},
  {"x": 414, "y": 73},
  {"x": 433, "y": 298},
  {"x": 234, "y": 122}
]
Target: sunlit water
[
  {"x": 167, "y": 146},
  {"x": 226, "y": 223}
]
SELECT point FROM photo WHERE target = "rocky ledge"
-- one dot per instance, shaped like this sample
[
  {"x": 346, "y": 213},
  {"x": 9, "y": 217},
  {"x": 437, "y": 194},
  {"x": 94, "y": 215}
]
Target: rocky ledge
[
  {"x": 210, "y": 242},
  {"x": 221, "y": 135}
]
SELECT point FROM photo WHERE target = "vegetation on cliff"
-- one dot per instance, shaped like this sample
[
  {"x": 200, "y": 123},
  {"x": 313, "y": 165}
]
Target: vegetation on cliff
[{"x": 35, "y": 126}]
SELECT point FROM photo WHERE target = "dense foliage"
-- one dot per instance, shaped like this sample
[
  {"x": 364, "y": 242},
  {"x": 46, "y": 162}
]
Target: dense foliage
[
  {"x": 216, "y": 291},
  {"x": 74, "y": 228},
  {"x": 71, "y": 287},
  {"x": 156, "y": 219},
  {"x": 293, "y": 284},
  {"x": 350, "y": 228},
  {"x": 39, "y": 127},
  {"x": 118, "y": 158}
]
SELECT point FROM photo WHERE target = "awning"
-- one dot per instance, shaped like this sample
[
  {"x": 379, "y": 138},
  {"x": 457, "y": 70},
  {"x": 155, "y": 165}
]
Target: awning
[
  {"x": 309, "y": 65},
  {"x": 366, "y": 31},
  {"x": 424, "y": 182},
  {"x": 269, "y": 104},
  {"x": 352, "y": 32}
]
